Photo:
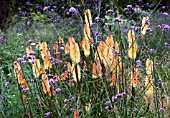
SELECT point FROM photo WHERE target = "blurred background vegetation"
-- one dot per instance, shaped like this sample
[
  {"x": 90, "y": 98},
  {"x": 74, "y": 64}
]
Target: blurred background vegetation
[{"x": 10, "y": 8}]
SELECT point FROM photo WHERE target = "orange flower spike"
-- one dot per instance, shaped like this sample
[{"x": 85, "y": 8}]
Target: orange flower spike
[
  {"x": 100, "y": 50},
  {"x": 42, "y": 70},
  {"x": 86, "y": 47},
  {"x": 36, "y": 68},
  {"x": 55, "y": 46},
  {"x": 149, "y": 66},
  {"x": 20, "y": 77},
  {"x": 76, "y": 114},
  {"x": 88, "y": 18},
  {"x": 28, "y": 50},
  {"x": 24, "y": 82},
  {"x": 134, "y": 78},
  {"x": 67, "y": 48},
  {"x": 74, "y": 51},
  {"x": 69, "y": 68},
  {"x": 99, "y": 68},
  {"x": 57, "y": 78},
  {"x": 17, "y": 68},
  {"x": 149, "y": 86},
  {"x": 45, "y": 83},
  {"x": 84, "y": 66},
  {"x": 61, "y": 40},
  {"x": 47, "y": 61},
  {"x": 87, "y": 32},
  {"x": 24, "y": 98},
  {"x": 43, "y": 49},
  {"x": 113, "y": 82},
  {"x": 110, "y": 41},
  {"x": 94, "y": 71}
]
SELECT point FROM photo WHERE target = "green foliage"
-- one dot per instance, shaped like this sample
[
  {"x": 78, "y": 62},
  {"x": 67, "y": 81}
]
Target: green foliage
[{"x": 96, "y": 92}]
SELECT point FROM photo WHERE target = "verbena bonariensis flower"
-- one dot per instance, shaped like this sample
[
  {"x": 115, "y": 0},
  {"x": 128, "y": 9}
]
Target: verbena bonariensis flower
[
  {"x": 161, "y": 110},
  {"x": 73, "y": 10},
  {"x": 7, "y": 84},
  {"x": 159, "y": 81},
  {"x": 47, "y": 114},
  {"x": 139, "y": 63}
]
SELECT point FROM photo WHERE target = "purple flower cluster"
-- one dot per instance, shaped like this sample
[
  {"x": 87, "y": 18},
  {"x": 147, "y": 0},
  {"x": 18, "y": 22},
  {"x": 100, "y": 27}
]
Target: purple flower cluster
[
  {"x": 47, "y": 114},
  {"x": 73, "y": 10},
  {"x": 139, "y": 63},
  {"x": 114, "y": 98},
  {"x": 167, "y": 45}
]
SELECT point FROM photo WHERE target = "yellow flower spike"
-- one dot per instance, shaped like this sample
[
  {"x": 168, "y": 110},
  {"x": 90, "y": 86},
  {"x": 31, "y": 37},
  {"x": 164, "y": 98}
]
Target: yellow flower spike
[
  {"x": 149, "y": 66},
  {"x": 86, "y": 47},
  {"x": 36, "y": 68},
  {"x": 132, "y": 45},
  {"x": 108, "y": 57},
  {"x": 38, "y": 46},
  {"x": 87, "y": 34},
  {"x": 144, "y": 26},
  {"x": 100, "y": 51},
  {"x": 88, "y": 107},
  {"x": 149, "y": 88},
  {"x": 88, "y": 18},
  {"x": 74, "y": 66},
  {"x": 134, "y": 77},
  {"x": 132, "y": 50},
  {"x": 69, "y": 68},
  {"x": 24, "y": 98},
  {"x": 74, "y": 51},
  {"x": 131, "y": 36},
  {"x": 110, "y": 41}
]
